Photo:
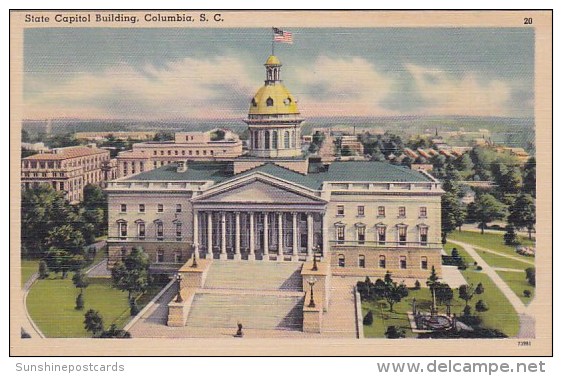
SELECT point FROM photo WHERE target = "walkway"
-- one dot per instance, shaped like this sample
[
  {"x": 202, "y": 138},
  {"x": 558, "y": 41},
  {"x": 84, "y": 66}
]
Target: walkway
[
  {"x": 526, "y": 321},
  {"x": 29, "y": 326},
  {"x": 339, "y": 321}
]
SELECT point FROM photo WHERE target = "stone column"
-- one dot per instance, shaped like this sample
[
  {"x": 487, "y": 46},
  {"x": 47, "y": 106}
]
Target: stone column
[
  {"x": 310, "y": 233},
  {"x": 237, "y": 255},
  {"x": 325, "y": 241},
  {"x": 280, "y": 234},
  {"x": 295, "y": 237},
  {"x": 223, "y": 236},
  {"x": 266, "y": 234},
  {"x": 252, "y": 255},
  {"x": 210, "y": 235},
  {"x": 196, "y": 233}
]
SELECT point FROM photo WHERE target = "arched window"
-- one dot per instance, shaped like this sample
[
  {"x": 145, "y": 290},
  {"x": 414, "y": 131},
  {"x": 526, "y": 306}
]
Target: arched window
[
  {"x": 269, "y": 102},
  {"x": 341, "y": 261},
  {"x": 274, "y": 140},
  {"x": 287, "y": 101},
  {"x": 254, "y": 103},
  {"x": 382, "y": 261},
  {"x": 266, "y": 139},
  {"x": 287, "y": 140},
  {"x": 361, "y": 261}
]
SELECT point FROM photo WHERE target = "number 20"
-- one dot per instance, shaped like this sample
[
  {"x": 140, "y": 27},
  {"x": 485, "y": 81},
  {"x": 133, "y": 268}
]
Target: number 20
[{"x": 527, "y": 21}]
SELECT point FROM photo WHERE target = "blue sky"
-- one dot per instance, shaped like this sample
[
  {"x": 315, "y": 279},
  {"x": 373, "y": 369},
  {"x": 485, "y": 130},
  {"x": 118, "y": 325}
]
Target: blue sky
[{"x": 213, "y": 73}]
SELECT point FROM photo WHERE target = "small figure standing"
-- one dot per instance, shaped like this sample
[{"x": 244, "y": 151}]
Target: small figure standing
[{"x": 239, "y": 332}]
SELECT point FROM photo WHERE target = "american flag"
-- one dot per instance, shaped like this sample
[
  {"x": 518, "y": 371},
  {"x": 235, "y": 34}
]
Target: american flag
[{"x": 282, "y": 36}]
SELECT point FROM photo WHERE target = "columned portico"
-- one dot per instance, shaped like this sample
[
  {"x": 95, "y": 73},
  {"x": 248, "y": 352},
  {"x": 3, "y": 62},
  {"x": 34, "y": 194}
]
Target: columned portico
[{"x": 239, "y": 235}]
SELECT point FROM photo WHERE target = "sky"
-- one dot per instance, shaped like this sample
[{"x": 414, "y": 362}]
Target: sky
[{"x": 186, "y": 73}]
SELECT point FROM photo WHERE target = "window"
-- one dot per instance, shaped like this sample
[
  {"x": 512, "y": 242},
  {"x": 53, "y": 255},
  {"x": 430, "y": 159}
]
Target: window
[
  {"x": 361, "y": 261},
  {"x": 178, "y": 208},
  {"x": 361, "y": 234},
  {"x": 191, "y": 152},
  {"x": 161, "y": 152},
  {"x": 423, "y": 212},
  {"x": 274, "y": 140},
  {"x": 423, "y": 235},
  {"x": 141, "y": 208},
  {"x": 169, "y": 152},
  {"x": 141, "y": 230},
  {"x": 177, "y": 257},
  {"x": 401, "y": 211},
  {"x": 402, "y": 231},
  {"x": 178, "y": 231},
  {"x": 175, "y": 152},
  {"x": 160, "y": 208},
  {"x": 340, "y": 210},
  {"x": 196, "y": 152},
  {"x": 287, "y": 140},
  {"x": 123, "y": 208},
  {"x": 266, "y": 139},
  {"x": 293, "y": 140},
  {"x": 256, "y": 139},
  {"x": 361, "y": 211},
  {"x": 403, "y": 262},
  {"x": 381, "y": 211},
  {"x": 159, "y": 230},
  {"x": 183, "y": 152},
  {"x": 61, "y": 186},
  {"x": 381, "y": 234},
  {"x": 424, "y": 262},
  {"x": 123, "y": 230},
  {"x": 340, "y": 234},
  {"x": 155, "y": 152},
  {"x": 160, "y": 256},
  {"x": 341, "y": 261},
  {"x": 269, "y": 102},
  {"x": 382, "y": 261},
  {"x": 204, "y": 152}
]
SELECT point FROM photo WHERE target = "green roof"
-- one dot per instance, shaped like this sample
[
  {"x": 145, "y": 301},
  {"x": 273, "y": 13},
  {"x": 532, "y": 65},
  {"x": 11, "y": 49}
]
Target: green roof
[
  {"x": 344, "y": 171},
  {"x": 368, "y": 171},
  {"x": 196, "y": 171}
]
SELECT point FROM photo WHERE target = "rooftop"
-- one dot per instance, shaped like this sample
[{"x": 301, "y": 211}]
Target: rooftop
[{"x": 67, "y": 153}]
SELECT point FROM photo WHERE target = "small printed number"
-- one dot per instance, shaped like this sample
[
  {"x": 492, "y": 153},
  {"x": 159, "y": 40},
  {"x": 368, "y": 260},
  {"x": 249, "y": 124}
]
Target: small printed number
[
  {"x": 527, "y": 21},
  {"x": 524, "y": 343}
]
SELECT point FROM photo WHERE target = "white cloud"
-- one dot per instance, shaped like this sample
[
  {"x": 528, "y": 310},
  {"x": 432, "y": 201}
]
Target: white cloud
[
  {"x": 187, "y": 88},
  {"x": 467, "y": 95},
  {"x": 342, "y": 87}
]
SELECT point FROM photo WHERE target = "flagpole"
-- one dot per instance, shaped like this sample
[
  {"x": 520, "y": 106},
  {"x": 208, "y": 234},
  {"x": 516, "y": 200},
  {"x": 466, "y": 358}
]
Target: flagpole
[{"x": 272, "y": 41}]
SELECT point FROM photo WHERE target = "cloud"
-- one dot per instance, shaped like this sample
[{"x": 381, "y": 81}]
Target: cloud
[
  {"x": 187, "y": 88},
  {"x": 342, "y": 87},
  {"x": 468, "y": 94}
]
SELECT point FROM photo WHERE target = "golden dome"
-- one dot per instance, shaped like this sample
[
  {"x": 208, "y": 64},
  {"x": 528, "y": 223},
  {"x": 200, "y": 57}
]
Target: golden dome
[
  {"x": 273, "y": 99},
  {"x": 273, "y": 60}
]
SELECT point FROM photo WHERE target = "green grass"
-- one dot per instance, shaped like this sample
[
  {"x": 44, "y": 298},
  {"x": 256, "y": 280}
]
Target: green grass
[
  {"x": 492, "y": 241},
  {"x": 497, "y": 261},
  {"x": 28, "y": 267},
  {"x": 518, "y": 283},
  {"x": 51, "y": 305}
]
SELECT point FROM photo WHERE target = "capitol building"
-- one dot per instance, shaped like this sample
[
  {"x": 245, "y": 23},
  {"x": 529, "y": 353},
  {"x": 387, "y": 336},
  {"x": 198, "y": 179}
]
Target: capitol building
[{"x": 273, "y": 203}]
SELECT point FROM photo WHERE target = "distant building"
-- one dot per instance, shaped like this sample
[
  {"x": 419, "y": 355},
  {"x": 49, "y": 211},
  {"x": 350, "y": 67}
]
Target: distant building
[
  {"x": 121, "y": 135},
  {"x": 37, "y": 146},
  {"x": 68, "y": 170},
  {"x": 207, "y": 146}
]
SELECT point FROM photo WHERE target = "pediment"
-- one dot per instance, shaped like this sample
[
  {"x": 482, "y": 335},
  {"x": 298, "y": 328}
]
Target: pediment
[{"x": 259, "y": 191}]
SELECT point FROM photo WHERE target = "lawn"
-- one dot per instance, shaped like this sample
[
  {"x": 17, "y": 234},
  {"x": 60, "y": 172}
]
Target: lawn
[
  {"x": 51, "y": 305},
  {"x": 28, "y": 267},
  {"x": 518, "y": 283},
  {"x": 491, "y": 241},
  {"x": 497, "y": 261}
]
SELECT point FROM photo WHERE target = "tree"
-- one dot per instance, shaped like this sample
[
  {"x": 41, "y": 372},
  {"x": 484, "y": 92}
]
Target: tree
[
  {"x": 94, "y": 208},
  {"x": 163, "y": 136},
  {"x": 131, "y": 274},
  {"x": 488, "y": 209},
  {"x": 432, "y": 280},
  {"x": 466, "y": 292},
  {"x": 510, "y": 237},
  {"x": 394, "y": 332},
  {"x": 530, "y": 275},
  {"x": 58, "y": 260},
  {"x": 453, "y": 214},
  {"x": 443, "y": 293},
  {"x": 479, "y": 288},
  {"x": 481, "y": 306},
  {"x": 530, "y": 177},
  {"x": 455, "y": 253},
  {"x": 393, "y": 293},
  {"x": 93, "y": 322},
  {"x": 80, "y": 280},
  {"x": 67, "y": 238},
  {"x": 368, "y": 319},
  {"x": 79, "y": 302},
  {"x": 43, "y": 269},
  {"x": 523, "y": 213}
]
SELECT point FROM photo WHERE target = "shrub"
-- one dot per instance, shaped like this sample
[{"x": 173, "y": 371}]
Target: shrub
[
  {"x": 479, "y": 288},
  {"x": 43, "y": 270},
  {"x": 79, "y": 302},
  {"x": 467, "y": 310},
  {"x": 530, "y": 275},
  {"x": 471, "y": 320},
  {"x": 527, "y": 293},
  {"x": 455, "y": 253},
  {"x": 417, "y": 285},
  {"x": 510, "y": 237},
  {"x": 479, "y": 268},
  {"x": 461, "y": 267},
  {"x": 393, "y": 332},
  {"x": 481, "y": 306},
  {"x": 368, "y": 319}
]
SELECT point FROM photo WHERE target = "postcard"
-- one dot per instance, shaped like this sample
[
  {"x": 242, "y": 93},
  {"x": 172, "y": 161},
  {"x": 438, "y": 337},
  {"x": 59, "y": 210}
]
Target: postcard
[{"x": 281, "y": 183}]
